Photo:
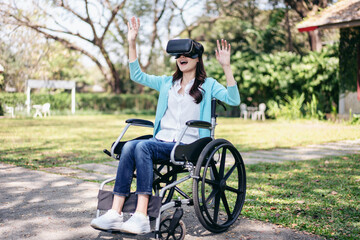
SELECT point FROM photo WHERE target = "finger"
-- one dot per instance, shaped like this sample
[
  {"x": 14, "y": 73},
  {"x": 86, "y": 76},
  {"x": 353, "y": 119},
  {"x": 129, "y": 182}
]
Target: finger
[
  {"x": 138, "y": 22},
  {"x": 216, "y": 54},
  {"x": 133, "y": 22},
  {"x": 128, "y": 24},
  {"x": 218, "y": 45},
  {"x": 222, "y": 44},
  {"x": 226, "y": 45},
  {"x": 229, "y": 49}
]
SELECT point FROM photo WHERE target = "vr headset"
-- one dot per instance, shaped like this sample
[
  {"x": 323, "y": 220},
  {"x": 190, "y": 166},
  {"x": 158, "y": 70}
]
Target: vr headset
[{"x": 186, "y": 47}]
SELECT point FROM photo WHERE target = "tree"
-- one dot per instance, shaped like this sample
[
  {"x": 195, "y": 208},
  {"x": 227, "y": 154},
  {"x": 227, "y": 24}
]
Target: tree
[
  {"x": 26, "y": 55},
  {"x": 95, "y": 28},
  {"x": 307, "y": 8}
]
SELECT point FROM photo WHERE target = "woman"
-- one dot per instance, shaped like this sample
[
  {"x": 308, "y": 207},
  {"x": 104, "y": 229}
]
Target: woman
[{"x": 184, "y": 96}]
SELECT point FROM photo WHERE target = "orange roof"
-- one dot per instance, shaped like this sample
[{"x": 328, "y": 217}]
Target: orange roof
[{"x": 344, "y": 13}]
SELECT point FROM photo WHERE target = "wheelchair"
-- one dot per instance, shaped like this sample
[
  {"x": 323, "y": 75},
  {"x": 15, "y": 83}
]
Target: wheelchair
[{"x": 218, "y": 189}]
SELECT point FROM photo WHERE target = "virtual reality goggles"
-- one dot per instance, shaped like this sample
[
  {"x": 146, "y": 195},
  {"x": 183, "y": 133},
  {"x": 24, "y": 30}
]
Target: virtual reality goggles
[{"x": 186, "y": 47}]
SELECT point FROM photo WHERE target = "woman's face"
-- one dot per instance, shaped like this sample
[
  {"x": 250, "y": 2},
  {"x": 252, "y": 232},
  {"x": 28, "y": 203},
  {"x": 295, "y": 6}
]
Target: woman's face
[{"x": 186, "y": 64}]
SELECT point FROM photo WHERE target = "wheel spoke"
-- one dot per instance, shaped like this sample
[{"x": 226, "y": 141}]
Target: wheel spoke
[
  {"x": 214, "y": 171},
  {"x": 211, "y": 196},
  {"x": 212, "y": 182},
  {"x": 230, "y": 171},
  {"x": 238, "y": 191},
  {"x": 217, "y": 206},
  {"x": 222, "y": 163},
  {"x": 226, "y": 205}
]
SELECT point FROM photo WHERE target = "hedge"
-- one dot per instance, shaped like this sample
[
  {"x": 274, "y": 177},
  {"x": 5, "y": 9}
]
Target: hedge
[{"x": 84, "y": 101}]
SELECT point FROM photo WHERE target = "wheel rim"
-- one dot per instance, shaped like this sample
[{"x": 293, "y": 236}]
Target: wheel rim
[{"x": 219, "y": 189}]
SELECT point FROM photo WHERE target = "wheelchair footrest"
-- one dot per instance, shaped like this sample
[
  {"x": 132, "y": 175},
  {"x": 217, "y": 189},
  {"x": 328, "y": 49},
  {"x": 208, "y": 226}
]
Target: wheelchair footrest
[
  {"x": 175, "y": 220},
  {"x": 105, "y": 200}
]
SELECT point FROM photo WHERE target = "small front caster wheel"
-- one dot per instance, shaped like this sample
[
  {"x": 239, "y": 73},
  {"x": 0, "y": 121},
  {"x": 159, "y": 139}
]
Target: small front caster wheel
[{"x": 165, "y": 232}]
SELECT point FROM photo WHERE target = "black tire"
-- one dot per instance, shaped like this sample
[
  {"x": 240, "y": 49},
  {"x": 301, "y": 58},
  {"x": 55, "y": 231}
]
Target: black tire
[
  {"x": 180, "y": 230},
  {"x": 219, "y": 195}
]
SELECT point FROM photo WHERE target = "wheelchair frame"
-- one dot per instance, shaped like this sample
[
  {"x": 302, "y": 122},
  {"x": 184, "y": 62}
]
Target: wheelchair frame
[{"x": 216, "y": 179}]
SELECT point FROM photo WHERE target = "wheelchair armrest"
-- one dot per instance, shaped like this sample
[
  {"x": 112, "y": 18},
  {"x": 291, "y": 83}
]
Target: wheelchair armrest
[
  {"x": 132, "y": 121},
  {"x": 198, "y": 124},
  {"x": 140, "y": 122}
]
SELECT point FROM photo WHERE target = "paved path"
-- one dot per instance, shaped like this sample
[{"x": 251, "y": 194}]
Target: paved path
[
  {"x": 36, "y": 205},
  {"x": 44, "y": 205}
]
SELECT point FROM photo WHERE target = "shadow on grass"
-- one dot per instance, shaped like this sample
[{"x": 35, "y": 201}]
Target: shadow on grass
[{"x": 42, "y": 157}]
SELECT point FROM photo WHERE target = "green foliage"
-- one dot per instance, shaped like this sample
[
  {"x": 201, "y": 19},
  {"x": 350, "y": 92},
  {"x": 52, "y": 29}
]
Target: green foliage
[
  {"x": 264, "y": 77},
  {"x": 85, "y": 101},
  {"x": 355, "y": 119},
  {"x": 113, "y": 102},
  {"x": 294, "y": 108},
  {"x": 348, "y": 49},
  {"x": 290, "y": 109},
  {"x": 311, "y": 109}
]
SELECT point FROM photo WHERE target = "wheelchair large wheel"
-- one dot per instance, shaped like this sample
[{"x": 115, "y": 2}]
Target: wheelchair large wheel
[{"x": 220, "y": 186}]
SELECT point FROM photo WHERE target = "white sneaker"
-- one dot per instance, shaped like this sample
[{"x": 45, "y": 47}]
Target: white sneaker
[
  {"x": 137, "y": 224},
  {"x": 111, "y": 220}
]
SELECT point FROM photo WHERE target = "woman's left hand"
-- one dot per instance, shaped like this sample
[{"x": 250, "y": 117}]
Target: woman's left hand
[{"x": 223, "y": 53}]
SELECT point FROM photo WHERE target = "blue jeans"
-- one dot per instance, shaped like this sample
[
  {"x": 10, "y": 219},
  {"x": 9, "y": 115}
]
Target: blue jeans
[{"x": 139, "y": 155}]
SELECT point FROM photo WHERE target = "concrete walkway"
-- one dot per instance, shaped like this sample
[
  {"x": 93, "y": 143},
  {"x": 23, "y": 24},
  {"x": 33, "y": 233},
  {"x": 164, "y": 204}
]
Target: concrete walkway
[{"x": 44, "y": 205}]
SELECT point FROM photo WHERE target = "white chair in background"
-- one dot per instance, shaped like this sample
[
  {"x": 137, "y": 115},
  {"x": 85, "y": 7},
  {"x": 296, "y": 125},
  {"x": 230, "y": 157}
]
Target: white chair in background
[
  {"x": 261, "y": 113},
  {"x": 37, "y": 110},
  {"x": 46, "y": 109},
  {"x": 243, "y": 111},
  {"x": 10, "y": 110}
]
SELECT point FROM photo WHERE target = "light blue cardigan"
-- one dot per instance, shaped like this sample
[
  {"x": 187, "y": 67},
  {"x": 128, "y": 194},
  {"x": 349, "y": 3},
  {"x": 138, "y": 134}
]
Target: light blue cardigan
[{"x": 229, "y": 95}]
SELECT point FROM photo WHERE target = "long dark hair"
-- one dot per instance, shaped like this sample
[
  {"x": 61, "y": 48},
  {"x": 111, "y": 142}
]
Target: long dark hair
[{"x": 196, "y": 90}]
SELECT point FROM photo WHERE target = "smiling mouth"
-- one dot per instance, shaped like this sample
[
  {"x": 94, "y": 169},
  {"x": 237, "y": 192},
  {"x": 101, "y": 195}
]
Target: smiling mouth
[{"x": 183, "y": 62}]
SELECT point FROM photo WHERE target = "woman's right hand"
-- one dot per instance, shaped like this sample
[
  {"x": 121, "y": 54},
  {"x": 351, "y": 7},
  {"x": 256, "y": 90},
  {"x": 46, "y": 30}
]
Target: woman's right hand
[{"x": 133, "y": 30}]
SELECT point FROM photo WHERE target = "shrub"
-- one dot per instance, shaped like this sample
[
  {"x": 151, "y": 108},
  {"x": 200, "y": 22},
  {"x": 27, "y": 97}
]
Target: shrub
[
  {"x": 85, "y": 101},
  {"x": 294, "y": 108},
  {"x": 264, "y": 77}
]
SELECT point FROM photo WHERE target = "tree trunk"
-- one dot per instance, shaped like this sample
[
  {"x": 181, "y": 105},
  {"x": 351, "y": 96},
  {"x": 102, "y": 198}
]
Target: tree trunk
[
  {"x": 288, "y": 28},
  {"x": 314, "y": 39},
  {"x": 358, "y": 73}
]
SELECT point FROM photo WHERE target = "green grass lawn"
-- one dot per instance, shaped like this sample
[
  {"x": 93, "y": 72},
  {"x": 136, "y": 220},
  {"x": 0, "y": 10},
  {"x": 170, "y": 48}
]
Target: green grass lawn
[
  {"x": 67, "y": 140},
  {"x": 318, "y": 196}
]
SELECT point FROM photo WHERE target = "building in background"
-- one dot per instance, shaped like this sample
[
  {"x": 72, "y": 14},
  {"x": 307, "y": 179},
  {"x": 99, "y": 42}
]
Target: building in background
[{"x": 345, "y": 15}]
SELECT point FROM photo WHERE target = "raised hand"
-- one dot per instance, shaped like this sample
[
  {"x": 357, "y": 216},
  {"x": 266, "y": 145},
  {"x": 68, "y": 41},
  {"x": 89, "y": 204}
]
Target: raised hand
[
  {"x": 133, "y": 29},
  {"x": 223, "y": 53}
]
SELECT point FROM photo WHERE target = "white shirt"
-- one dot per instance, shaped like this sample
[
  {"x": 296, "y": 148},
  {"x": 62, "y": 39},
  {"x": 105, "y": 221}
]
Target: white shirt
[{"x": 181, "y": 108}]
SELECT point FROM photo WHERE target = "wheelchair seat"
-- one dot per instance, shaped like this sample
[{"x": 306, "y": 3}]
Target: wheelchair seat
[
  {"x": 185, "y": 152},
  {"x": 190, "y": 152}
]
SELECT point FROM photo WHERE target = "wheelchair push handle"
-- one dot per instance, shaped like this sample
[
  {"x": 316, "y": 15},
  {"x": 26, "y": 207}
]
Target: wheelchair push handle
[{"x": 214, "y": 101}]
